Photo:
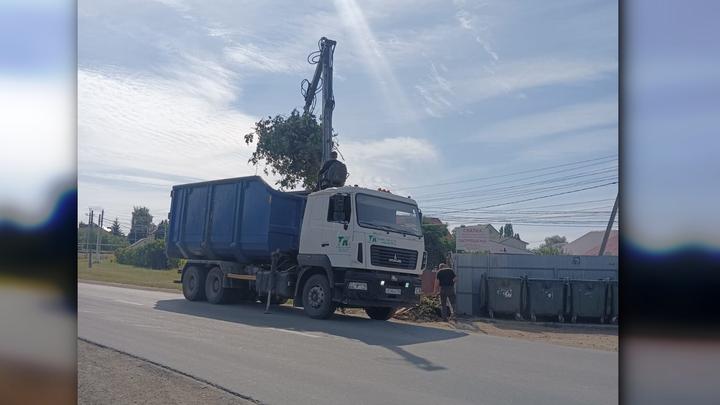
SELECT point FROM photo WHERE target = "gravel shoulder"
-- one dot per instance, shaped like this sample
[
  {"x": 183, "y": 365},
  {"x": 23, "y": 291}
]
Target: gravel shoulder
[{"x": 106, "y": 376}]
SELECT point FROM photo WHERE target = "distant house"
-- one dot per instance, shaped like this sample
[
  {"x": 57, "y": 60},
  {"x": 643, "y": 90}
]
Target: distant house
[
  {"x": 432, "y": 221},
  {"x": 589, "y": 244},
  {"x": 485, "y": 238}
]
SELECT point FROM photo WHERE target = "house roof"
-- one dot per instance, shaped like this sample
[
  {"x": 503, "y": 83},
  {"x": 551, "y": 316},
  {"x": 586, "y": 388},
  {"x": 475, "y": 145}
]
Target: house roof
[
  {"x": 504, "y": 238},
  {"x": 432, "y": 220},
  {"x": 589, "y": 244}
]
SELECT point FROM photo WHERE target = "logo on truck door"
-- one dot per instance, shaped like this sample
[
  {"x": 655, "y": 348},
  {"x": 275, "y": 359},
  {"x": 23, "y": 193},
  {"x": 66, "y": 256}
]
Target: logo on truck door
[
  {"x": 381, "y": 240},
  {"x": 343, "y": 243}
]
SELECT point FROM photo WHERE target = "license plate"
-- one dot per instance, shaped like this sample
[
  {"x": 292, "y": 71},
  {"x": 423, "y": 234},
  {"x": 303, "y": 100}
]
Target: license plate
[{"x": 393, "y": 291}]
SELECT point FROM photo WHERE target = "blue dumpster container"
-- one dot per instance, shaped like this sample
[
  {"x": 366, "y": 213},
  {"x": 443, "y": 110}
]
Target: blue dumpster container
[
  {"x": 547, "y": 298},
  {"x": 588, "y": 299},
  {"x": 505, "y": 295}
]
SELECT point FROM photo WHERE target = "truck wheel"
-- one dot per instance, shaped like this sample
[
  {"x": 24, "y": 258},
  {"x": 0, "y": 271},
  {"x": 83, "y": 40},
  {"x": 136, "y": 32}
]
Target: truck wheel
[
  {"x": 193, "y": 284},
  {"x": 317, "y": 297},
  {"x": 214, "y": 290},
  {"x": 380, "y": 313}
]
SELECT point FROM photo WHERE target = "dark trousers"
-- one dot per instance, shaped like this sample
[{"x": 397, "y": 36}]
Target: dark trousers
[{"x": 447, "y": 294}]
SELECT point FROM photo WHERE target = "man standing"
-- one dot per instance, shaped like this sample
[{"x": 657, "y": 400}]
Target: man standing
[{"x": 446, "y": 278}]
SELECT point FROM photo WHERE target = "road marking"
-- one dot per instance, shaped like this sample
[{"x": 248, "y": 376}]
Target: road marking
[
  {"x": 295, "y": 332},
  {"x": 129, "y": 302}
]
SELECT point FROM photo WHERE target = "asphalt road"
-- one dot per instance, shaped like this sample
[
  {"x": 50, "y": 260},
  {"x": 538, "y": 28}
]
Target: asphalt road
[{"x": 285, "y": 357}]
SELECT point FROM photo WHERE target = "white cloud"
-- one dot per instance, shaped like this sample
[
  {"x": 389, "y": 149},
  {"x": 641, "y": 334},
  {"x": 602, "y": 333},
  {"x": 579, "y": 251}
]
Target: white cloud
[
  {"x": 159, "y": 124},
  {"x": 531, "y": 127},
  {"x": 383, "y": 162}
]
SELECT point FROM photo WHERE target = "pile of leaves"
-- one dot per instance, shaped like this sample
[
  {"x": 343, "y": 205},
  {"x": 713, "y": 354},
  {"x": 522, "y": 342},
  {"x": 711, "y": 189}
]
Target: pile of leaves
[
  {"x": 151, "y": 255},
  {"x": 428, "y": 310}
]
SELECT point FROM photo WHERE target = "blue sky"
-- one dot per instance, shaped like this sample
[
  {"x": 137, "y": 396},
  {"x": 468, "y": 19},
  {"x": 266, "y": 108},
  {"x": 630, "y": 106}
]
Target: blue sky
[{"x": 483, "y": 95}]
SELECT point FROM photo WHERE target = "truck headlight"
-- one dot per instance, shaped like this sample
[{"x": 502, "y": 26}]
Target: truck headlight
[
  {"x": 424, "y": 261},
  {"x": 356, "y": 285},
  {"x": 418, "y": 290},
  {"x": 382, "y": 282}
]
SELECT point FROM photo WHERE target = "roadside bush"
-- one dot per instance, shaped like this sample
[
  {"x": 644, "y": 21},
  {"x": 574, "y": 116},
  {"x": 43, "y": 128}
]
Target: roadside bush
[{"x": 151, "y": 255}]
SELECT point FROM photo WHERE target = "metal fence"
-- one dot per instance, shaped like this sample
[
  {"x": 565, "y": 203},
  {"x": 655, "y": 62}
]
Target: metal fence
[{"x": 471, "y": 267}]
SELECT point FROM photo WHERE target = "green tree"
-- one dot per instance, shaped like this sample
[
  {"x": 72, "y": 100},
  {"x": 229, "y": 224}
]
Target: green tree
[
  {"x": 108, "y": 241},
  {"x": 439, "y": 243},
  {"x": 551, "y": 247},
  {"x": 142, "y": 224},
  {"x": 502, "y": 231},
  {"x": 290, "y": 147},
  {"x": 115, "y": 228},
  {"x": 508, "y": 231},
  {"x": 161, "y": 230}
]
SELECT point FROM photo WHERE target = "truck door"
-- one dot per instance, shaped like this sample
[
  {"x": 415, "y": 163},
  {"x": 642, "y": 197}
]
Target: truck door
[{"x": 337, "y": 231}]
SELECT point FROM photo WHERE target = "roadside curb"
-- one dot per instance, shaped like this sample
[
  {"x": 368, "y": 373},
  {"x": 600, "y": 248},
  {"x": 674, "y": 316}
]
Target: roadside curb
[{"x": 164, "y": 367}]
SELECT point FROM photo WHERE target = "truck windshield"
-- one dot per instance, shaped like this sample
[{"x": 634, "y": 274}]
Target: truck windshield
[{"x": 388, "y": 215}]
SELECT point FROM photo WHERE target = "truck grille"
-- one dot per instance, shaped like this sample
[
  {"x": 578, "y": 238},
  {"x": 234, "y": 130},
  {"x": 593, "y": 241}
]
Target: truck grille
[{"x": 395, "y": 258}]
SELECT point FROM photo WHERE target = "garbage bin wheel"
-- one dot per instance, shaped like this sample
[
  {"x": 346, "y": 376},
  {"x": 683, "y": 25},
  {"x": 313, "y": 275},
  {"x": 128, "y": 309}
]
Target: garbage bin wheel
[
  {"x": 614, "y": 320},
  {"x": 561, "y": 318},
  {"x": 573, "y": 319},
  {"x": 533, "y": 317},
  {"x": 491, "y": 314}
]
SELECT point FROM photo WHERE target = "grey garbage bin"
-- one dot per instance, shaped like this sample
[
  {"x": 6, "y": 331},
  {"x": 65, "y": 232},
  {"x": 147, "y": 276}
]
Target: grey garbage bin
[
  {"x": 547, "y": 298},
  {"x": 505, "y": 295},
  {"x": 613, "y": 304},
  {"x": 588, "y": 299}
]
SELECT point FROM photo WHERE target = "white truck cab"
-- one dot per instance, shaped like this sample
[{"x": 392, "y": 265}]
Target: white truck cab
[{"x": 359, "y": 228}]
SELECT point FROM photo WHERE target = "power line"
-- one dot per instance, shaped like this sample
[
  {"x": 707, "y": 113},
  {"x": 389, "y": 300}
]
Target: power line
[
  {"x": 508, "y": 174},
  {"x": 460, "y": 195},
  {"x": 534, "y": 198},
  {"x": 537, "y": 190}
]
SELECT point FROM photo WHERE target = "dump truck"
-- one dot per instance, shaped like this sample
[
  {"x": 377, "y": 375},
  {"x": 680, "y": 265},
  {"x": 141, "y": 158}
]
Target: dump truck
[{"x": 349, "y": 246}]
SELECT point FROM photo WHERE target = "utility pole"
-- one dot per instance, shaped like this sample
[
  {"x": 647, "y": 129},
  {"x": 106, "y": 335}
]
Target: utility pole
[
  {"x": 98, "y": 238},
  {"x": 89, "y": 234},
  {"x": 609, "y": 226}
]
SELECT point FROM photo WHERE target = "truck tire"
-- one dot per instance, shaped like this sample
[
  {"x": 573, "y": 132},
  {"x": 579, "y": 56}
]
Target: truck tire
[
  {"x": 214, "y": 290},
  {"x": 193, "y": 284},
  {"x": 380, "y": 313},
  {"x": 317, "y": 297}
]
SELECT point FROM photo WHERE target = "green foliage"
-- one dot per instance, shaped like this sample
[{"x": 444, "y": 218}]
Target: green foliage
[
  {"x": 555, "y": 240},
  {"x": 108, "y": 241},
  {"x": 149, "y": 255},
  {"x": 439, "y": 243},
  {"x": 547, "y": 250},
  {"x": 142, "y": 224},
  {"x": 161, "y": 230},
  {"x": 508, "y": 231},
  {"x": 290, "y": 146},
  {"x": 552, "y": 246},
  {"x": 427, "y": 310},
  {"x": 115, "y": 228}
]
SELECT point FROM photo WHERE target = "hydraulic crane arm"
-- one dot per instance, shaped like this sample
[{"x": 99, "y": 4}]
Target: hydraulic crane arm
[{"x": 324, "y": 71}]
